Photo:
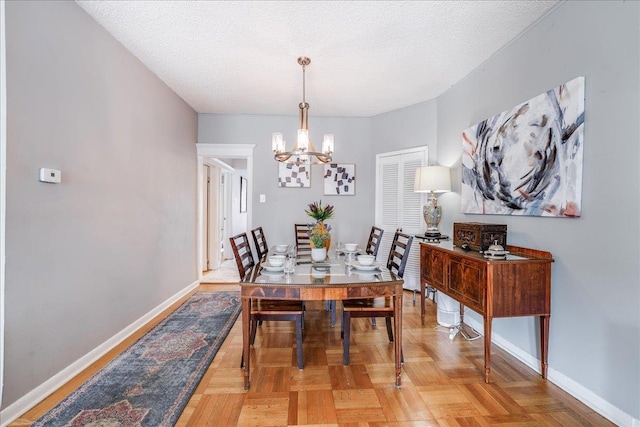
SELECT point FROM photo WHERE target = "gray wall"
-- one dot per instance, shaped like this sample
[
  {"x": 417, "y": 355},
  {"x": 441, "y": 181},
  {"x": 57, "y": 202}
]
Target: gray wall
[
  {"x": 409, "y": 127},
  {"x": 285, "y": 206},
  {"x": 88, "y": 257},
  {"x": 595, "y": 323}
]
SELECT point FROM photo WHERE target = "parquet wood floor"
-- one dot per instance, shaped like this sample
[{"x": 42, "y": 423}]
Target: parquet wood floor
[{"x": 442, "y": 382}]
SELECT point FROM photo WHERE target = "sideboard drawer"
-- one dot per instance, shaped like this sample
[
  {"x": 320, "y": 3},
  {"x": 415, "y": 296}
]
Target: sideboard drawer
[
  {"x": 434, "y": 268},
  {"x": 467, "y": 282}
]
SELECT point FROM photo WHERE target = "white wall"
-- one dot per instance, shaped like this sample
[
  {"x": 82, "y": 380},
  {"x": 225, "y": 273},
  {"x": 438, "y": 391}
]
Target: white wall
[{"x": 88, "y": 257}]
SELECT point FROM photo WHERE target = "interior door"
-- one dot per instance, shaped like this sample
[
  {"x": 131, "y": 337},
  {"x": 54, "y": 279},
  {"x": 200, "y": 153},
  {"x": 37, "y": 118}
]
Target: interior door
[
  {"x": 397, "y": 206},
  {"x": 206, "y": 226},
  {"x": 226, "y": 223}
]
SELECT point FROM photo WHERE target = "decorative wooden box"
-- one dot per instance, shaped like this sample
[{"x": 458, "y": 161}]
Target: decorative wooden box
[{"x": 479, "y": 236}]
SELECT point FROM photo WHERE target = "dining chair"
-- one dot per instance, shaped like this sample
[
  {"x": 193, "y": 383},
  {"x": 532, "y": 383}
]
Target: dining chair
[
  {"x": 265, "y": 310},
  {"x": 373, "y": 244},
  {"x": 375, "y": 237},
  {"x": 303, "y": 250},
  {"x": 303, "y": 240},
  {"x": 262, "y": 248},
  {"x": 376, "y": 307}
]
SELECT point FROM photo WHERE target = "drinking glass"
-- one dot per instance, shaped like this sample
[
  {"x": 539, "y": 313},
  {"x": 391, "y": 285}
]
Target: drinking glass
[
  {"x": 290, "y": 261},
  {"x": 289, "y": 265},
  {"x": 349, "y": 257}
]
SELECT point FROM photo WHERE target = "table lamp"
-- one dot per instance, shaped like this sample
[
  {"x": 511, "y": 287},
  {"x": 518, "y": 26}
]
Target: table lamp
[{"x": 432, "y": 179}]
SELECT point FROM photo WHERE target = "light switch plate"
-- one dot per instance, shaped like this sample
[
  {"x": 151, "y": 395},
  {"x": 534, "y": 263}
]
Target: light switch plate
[
  {"x": 263, "y": 198},
  {"x": 52, "y": 176}
]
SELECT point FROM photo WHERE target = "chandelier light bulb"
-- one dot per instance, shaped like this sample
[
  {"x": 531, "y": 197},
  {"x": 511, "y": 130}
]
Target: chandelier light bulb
[
  {"x": 327, "y": 144},
  {"x": 277, "y": 142},
  {"x": 303, "y": 140}
]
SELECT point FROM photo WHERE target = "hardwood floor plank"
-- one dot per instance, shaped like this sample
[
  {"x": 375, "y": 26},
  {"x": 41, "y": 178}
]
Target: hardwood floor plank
[
  {"x": 316, "y": 407},
  {"x": 442, "y": 380},
  {"x": 490, "y": 400},
  {"x": 403, "y": 404}
]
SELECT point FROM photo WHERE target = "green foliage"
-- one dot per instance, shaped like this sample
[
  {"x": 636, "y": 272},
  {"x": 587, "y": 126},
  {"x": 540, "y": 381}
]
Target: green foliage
[{"x": 319, "y": 213}]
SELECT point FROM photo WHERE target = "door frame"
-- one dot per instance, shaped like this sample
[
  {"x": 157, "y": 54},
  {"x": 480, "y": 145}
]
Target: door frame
[{"x": 220, "y": 151}]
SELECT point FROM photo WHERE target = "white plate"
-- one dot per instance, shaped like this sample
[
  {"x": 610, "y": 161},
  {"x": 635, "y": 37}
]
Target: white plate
[
  {"x": 356, "y": 264},
  {"x": 367, "y": 276},
  {"x": 268, "y": 267},
  {"x": 344, "y": 251}
]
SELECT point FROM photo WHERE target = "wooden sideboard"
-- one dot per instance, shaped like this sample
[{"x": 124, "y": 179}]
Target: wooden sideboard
[{"x": 517, "y": 286}]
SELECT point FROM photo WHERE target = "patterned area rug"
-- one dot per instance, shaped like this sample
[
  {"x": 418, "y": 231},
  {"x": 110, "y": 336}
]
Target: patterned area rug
[{"x": 150, "y": 383}]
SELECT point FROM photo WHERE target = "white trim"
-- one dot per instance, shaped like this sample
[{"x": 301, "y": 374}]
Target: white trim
[
  {"x": 223, "y": 151},
  {"x": 580, "y": 392},
  {"x": 35, "y": 396},
  {"x": 419, "y": 149},
  {"x": 219, "y": 163}
]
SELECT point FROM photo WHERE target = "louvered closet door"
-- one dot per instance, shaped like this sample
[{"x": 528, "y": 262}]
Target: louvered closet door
[{"x": 397, "y": 206}]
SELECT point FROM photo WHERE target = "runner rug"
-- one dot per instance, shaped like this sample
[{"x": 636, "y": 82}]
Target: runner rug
[{"x": 150, "y": 383}]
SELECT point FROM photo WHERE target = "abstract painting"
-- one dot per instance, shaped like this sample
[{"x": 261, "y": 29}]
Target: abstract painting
[
  {"x": 528, "y": 160},
  {"x": 339, "y": 179},
  {"x": 291, "y": 175}
]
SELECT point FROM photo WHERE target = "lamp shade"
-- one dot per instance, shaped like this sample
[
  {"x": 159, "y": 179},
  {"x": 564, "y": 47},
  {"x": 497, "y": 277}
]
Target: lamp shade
[{"x": 432, "y": 178}]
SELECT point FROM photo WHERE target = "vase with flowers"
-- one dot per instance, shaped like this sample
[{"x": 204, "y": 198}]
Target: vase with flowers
[{"x": 319, "y": 234}]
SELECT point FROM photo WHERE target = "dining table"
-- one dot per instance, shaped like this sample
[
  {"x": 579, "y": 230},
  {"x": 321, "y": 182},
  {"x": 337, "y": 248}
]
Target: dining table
[{"x": 337, "y": 278}]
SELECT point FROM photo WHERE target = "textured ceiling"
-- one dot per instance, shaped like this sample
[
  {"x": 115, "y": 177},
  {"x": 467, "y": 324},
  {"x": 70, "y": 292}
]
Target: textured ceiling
[{"x": 367, "y": 57}]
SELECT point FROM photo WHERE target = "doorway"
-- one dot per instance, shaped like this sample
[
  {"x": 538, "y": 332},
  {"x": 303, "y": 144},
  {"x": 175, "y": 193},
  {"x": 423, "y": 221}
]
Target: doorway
[{"x": 215, "y": 199}]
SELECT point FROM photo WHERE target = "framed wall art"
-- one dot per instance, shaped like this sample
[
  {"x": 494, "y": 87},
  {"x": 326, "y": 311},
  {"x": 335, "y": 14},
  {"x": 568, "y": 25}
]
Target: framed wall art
[
  {"x": 527, "y": 160},
  {"x": 339, "y": 179},
  {"x": 291, "y": 175}
]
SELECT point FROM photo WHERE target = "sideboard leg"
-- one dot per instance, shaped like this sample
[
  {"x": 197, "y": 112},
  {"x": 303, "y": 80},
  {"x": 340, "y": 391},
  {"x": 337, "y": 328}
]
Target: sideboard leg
[
  {"x": 487, "y": 348},
  {"x": 544, "y": 343},
  {"x": 423, "y": 306}
]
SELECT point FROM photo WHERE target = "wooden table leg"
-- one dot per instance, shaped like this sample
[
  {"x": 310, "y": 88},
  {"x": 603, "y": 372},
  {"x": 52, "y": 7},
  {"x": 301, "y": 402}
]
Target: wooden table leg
[
  {"x": 544, "y": 343},
  {"x": 246, "y": 343},
  {"x": 397, "y": 308},
  {"x": 487, "y": 348}
]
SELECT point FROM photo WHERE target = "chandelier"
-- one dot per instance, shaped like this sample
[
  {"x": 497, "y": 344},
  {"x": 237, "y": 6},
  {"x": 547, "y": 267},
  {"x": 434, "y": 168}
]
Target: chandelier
[{"x": 303, "y": 151}]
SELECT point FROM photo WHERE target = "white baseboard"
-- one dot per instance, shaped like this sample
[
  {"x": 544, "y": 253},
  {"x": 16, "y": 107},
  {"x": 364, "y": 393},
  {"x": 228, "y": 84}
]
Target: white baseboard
[
  {"x": 35, "y": 396},
  {"x": 583, "y": 394}
]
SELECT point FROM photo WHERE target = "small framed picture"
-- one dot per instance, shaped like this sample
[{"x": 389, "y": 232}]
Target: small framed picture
[
  {"x": 339, "y": 179},
  {"x": 291, "y": 175},
  {"x": 243, "y": 194}
]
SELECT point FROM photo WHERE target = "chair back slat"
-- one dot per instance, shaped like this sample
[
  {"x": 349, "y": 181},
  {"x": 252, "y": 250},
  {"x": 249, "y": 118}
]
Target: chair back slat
[
  {"x": 242, "y": 253},
  {"x": 375, "y": 237},
  {"x": 303, "y": 240},
  {"x": 399, "y": 253},
  {"x": 260, "y": 242}
]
